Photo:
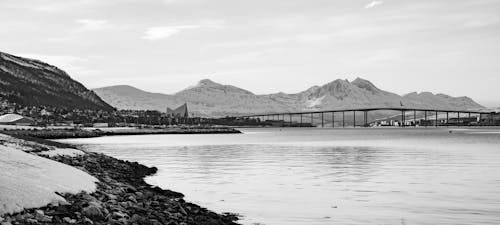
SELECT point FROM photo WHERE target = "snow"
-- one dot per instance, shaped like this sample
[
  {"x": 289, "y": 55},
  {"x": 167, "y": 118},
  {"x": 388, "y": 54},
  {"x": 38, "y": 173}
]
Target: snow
[
  {"x": 315, "y": 102},
  {"x": 7, "y": 118},
  {"x": 31, "y": 181},
  {"x": 62, "y": 152}
]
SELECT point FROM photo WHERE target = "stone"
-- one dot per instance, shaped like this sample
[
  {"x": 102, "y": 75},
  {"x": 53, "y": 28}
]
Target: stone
[
  {"x": 32, "y": 221},
  {"x": 155, "y": 203},
  {"x": 88, "y": 221},
  {"x": 96, "y": 204},
  {"x": 182, "y": 210},
  {"x": 112, "y": 197},
  {"x": 92, "y": 212},
  {"x": 132, "y": 199},
  {"x": 137, "y": 219},
  {"x": 69, "y": 220},
  {"x": 39, "y": 213},
  {"x": 118, "y": 215}
]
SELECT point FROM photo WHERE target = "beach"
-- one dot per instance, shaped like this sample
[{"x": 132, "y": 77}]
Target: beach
[{"x": 110, "y": 191}]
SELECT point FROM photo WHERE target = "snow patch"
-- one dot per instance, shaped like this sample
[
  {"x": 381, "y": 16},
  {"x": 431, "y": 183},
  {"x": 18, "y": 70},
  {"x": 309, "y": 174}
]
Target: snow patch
[
  {"x": 312, "y": 103},
  {"x": 62, "y": 152},
  {"x": 31, "y": 181}
]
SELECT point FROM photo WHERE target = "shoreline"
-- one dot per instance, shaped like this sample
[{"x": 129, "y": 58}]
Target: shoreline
[
  {"x": 91, "y": 133},
  {"x": 122, "y": 197}
]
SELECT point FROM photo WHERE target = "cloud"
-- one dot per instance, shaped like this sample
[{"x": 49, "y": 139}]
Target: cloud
[
  {"x": 162, "y": 32},
  {"x": 483, "y": 21},
  {"x": 373, "y": 4},
  {"x": 55, "y": 6},
  {"x": 92, "y": 25},
  {"x": 157, "y": 33}
]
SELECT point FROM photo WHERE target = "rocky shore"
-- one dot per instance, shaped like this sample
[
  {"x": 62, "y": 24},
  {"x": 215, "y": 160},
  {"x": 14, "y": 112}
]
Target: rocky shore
[
  {"x": 88, "y": 133},
  {"x": 122, "y": 198}
]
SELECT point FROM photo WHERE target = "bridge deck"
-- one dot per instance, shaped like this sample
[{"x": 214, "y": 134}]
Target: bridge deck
[{"x": 372, "y": 109}]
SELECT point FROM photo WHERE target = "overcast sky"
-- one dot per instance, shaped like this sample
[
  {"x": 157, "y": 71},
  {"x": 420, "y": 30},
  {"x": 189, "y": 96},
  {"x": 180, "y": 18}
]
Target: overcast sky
[{"x": 265, "y": 46}]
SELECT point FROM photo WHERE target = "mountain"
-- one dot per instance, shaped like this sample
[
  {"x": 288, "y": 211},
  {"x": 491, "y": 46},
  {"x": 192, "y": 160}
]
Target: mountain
[
  {"x": 31, "y": 82},
  {"x": 208, "y": 98},
  {"x": 128, "y": 97}
]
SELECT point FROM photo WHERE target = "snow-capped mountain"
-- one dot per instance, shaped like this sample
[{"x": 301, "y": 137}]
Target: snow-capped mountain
[
  {"x": 30, "y": 82},
  {"x": 208, "y": 98}
]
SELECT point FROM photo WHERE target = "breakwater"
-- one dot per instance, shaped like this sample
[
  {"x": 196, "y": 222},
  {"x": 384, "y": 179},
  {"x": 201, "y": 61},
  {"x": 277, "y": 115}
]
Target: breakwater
[{"x": 89, "y": 133}]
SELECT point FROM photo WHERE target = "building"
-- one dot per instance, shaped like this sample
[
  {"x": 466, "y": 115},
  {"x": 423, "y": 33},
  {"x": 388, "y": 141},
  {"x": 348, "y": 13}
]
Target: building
[
  {"x": 180, "y": 112},
  {"x": 16, "y": 119}
]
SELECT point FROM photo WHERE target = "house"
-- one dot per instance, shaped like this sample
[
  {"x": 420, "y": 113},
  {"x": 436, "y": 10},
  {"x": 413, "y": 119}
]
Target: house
[{"x": 16, "y": 119}]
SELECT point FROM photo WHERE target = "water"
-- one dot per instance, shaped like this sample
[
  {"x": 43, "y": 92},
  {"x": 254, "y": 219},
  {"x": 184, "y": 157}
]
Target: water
[{"x": 327, "y": 176}]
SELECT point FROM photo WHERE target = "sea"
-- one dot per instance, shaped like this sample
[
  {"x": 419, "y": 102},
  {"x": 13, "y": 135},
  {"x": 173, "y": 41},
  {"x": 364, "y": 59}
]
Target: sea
[{"x": 319, "y": 176}]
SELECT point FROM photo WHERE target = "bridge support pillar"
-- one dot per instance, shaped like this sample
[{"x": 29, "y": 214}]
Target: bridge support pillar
[
  {"x": 290, "y": 119},
  {"x": 333, "y": 119},
  {"x": 343, "y": 118},
  {"x": 458, "y": 119},
  {"x": 365, "y": 118},
  {"x": 425, "y": 118},
  {"x": 415, "y": 118},
  {"x": 300, "y": 125},
  {"x": 354, "y": 118},
  {"x": 437, "y": 119},
  {"x": 402, "y": 118},
  {"x": 322, "y": 121},
  {"x": 312, "y": 121},
  {"x": 447, "y": 117}
]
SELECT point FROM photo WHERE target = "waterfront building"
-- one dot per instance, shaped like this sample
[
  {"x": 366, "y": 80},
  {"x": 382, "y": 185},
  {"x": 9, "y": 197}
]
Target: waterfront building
[
  {"x": 180, "y": 112},
  {"x": 16, "y": 119}
]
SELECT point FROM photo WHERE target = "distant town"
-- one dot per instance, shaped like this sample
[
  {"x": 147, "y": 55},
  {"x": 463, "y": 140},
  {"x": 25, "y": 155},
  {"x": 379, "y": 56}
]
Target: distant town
[{"x": 49, "y": 116}]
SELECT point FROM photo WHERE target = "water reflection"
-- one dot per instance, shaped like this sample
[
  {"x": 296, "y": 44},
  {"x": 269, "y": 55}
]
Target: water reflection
[{"x": 328, "y": 176}]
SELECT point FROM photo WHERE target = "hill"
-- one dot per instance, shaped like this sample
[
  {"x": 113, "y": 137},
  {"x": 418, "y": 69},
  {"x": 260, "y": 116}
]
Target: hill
[
  {"x": 30, "y": 82},
  {"x": 208, "y": 98}
]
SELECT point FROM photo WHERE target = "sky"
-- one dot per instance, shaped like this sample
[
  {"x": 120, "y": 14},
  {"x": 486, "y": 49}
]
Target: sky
[{"x": 265, "y": 46}]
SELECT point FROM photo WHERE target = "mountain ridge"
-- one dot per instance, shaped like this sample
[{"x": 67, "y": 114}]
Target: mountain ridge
[{"x": 209, "y": 98}]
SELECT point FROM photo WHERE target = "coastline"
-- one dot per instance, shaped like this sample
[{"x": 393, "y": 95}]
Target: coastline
[
  {"x": 121, "y": 197},
  {"x": 90, "y": 133}
]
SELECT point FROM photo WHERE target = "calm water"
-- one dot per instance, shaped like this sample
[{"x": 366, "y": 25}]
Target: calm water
[{"x": 326, "y": 176}]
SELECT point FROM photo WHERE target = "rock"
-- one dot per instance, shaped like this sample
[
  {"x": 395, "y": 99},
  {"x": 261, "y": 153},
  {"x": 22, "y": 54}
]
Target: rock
[
  {"x": 39, "y": 213},
  {"x": 96, "y": 204},
  {"x": 182, "y": 210},
  {"x": 112, "y": 197},
  {"x": 92, "y": 212},
  {"x": 88, "y": 221},
  {"x": 132, "y": 198},
  {"x": 6, "y": 223},
  {"x": 155, "y": 222},
  {"x": 118, "y": 215},
  {"x": 40, "y": 216},
  {"x": 137, "y": 219},
  {"x": 69, "y": 220},
  {"x": 32, "y": 221}
]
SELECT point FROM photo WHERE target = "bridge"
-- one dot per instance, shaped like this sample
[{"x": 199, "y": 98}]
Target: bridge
[{"x": 407, "y": 115}]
